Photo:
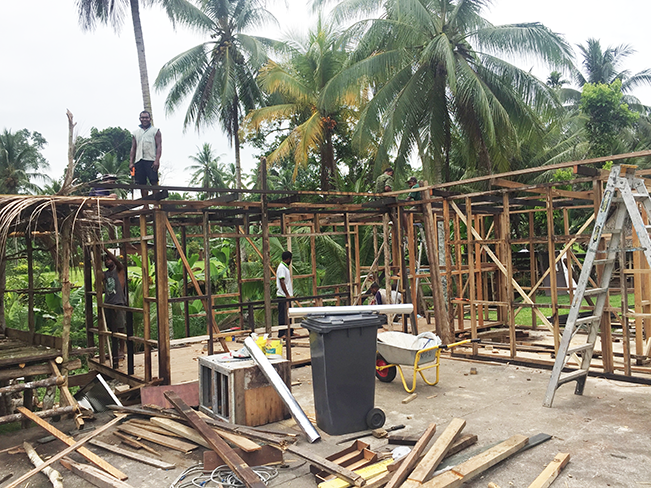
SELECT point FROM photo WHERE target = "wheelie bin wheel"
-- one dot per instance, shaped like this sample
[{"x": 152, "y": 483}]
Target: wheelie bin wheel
[
  {"x": 375, "y": 418},
  {"x": 384, "y": 375}
]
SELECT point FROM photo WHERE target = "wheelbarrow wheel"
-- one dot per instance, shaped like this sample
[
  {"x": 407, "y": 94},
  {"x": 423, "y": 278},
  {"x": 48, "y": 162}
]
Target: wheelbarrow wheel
[{"x": 386, "y": 375}]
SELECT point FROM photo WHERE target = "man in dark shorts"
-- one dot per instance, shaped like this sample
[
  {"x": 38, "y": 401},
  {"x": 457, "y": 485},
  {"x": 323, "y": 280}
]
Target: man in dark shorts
[
  {"x": 146, "y": 150},
  {"x": 115, "y": 293}
]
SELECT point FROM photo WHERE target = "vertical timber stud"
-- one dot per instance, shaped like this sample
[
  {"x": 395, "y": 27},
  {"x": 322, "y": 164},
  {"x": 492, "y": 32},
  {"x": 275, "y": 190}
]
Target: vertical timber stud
[
  {"x": 266, "y": 258},
  {"x": 88, "y": 297},
  {"x": 238, "y": 269},
  {"x": 316, "y": 228},
  {"x": 146, "y": 318},
  {"x": 411, "y": 244},
  {"x": 358, "y": 272},
  {"x": 551, "y": 252},
  {"x": 31, "y": 318},
  {"x": 126, "y": 233},
  {"x": 471, "y": 274},
  {"x": 448, "y": 264},
  {"x": 162, "y": 298},
  {"x": 387, "y": 263},
  {"x": 606, "y": 337},
  {"x": 99, "y": 289},
  {"x": 532, "y": 266},
  {"x": 506, "y": 222},
  {"x": 349, "y": 268},
  {"x": 186, "y": 304},
  {"x": 208, "y": 283}
]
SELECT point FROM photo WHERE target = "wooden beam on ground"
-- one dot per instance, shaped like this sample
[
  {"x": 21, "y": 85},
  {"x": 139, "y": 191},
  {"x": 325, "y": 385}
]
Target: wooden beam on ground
[
  {"x": 76, "y": 446},
  {"x": 163, "y": 440},
  {"x": 551, "y": 472},
  {"x": 477, "y": 464},
  {"x": 400, "y": 475},
  {"x": 435, "y": 455},
  {"x": 217, "y": 444},
  {"x": 133, "y": 455},
  {"x": 192, "y": 435},
  {"x": 130, "y": 441},
  {"x": 93, "y": 475},
  {"x": 93, "y": 458}
]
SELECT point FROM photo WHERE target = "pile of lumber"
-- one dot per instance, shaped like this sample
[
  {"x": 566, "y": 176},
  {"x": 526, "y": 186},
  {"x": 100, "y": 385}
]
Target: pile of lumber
[{"x": 418, "y": 469}]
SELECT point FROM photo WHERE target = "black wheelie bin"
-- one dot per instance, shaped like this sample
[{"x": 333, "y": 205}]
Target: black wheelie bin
[{"x": 343, "y": 349}]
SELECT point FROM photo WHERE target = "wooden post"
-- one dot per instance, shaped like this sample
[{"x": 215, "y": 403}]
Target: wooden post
[
  {"x": 238, "y": 269},
  {"x": 186, "y": 305},
  {"x": 626, "y": 344},
  {"x": 146, "y": 319},
  {"x": 162, "y": 298},
  {"x": 31, "y": 319},
  {"x": 508, "y": 260},
  {"x": 471, "y": 274},
  {"x": 266, "y": 257},
  {"x": 413, "y": 256},
  {"x": 349, "y": 268},
  {"x": 459, "y": 262},
  {"x": 606, "y": 336},
  {"x": 126, "y": 232},
  {"x": 551, "y": 251},
  {"x": 532, "y": 266},
  {"x": 210, "y": 317},
  {"x": 387, "y": 264},
  {"x": 448, "y": 264},
  {"x": 88, "y": 297},
  {"x": 358, "y": 272},
  {"x": 316, "y": 228}
]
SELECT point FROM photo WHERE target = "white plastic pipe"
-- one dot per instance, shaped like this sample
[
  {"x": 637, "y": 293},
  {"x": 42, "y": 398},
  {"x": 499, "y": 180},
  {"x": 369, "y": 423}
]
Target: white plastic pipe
[
  {"x": 398, "y": 308},
  {"x": 280, "y": 386}
]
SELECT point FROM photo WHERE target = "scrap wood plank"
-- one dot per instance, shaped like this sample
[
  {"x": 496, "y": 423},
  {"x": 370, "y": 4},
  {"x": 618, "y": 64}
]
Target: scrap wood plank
[
  {"x": 163, "y": 440},
  {"x": 130, "y": 441},
  {"x": 192, "y": 435},
  {"x": 133, "y": 455},
  {"x": 266, "y": 455},
  {"x": 92, "y": 457},
  {"x": 65, "y": 452},
  {"x": 93, "y": 475},
  {"x": 411, "y": 459},
  {"x": 326, "y": 465},
  {"x": 459, "y": 445},
  {"x": 276, "y": 438},
  {"x": 147, "y": 425},
  {"x": 217, "y": 444},
  {"x": 477, "y": 464},
  {"x": 427, "y": 465},
  {"x": 552, "y": 470},
  {"x": 367, "y": 472}
]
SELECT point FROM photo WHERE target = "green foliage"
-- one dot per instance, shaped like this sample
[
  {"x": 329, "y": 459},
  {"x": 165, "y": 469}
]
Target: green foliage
[
  {"x": 104, "y": 152},
  {"x": 607, "y": 116}
]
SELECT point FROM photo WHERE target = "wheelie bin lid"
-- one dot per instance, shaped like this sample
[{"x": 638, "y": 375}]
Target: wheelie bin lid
[{"x": 328, "y": 323}]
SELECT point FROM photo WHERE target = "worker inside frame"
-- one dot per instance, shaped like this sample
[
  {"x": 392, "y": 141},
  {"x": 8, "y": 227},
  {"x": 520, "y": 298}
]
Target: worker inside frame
[
  {"x": 284, "y": 291},
  {"x": 115, "y": 293},
  {"x": 378, "y": 296}
]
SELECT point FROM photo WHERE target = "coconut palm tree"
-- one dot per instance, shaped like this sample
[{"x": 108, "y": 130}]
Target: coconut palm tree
[
  {"x": 113, "y": 13},
  {"x": 437, "y": 68},
  {"x": 21, "y": 161},
  {"x": 207, "y": 171},
  {"x": 605, "y": 66},
  {"x": 219, "y": 75},
  {"x": 298, "y": 86}
]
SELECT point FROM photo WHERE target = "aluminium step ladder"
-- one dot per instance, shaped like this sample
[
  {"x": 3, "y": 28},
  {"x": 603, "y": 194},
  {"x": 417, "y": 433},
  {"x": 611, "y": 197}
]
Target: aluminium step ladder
[{"x": 632, "y": 191}]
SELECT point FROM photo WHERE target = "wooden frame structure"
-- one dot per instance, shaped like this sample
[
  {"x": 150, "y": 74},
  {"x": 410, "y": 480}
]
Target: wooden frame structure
[{"x": 492, "y": 247}]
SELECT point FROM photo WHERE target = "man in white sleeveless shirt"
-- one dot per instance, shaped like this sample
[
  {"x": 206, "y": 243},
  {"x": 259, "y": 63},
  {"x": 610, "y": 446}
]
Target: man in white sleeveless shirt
[{"x": 146, "y": 149}]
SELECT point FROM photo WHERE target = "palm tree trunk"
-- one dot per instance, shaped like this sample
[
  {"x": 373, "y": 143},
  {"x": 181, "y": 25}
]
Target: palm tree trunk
[
  {"x": 142, "y": 61},
  {"x": 238, "y": 163},
  {"x": 327, "y": 162}
]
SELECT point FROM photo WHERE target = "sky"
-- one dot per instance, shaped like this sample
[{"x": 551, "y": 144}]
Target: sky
[{"x": 50, "y": 65}]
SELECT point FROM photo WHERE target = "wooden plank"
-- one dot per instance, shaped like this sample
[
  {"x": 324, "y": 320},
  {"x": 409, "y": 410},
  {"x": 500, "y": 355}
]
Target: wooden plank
[
  {"x": 411, "y": 459},
  {"x": 93, "y": 475},
  {"x": 148, "y": 426},
  {"x": 192, "y": 435},
  {"x": 133, "y": 455},
  {"x": 477, "y": 464},
  {"x": 163, "y": 440},
  {"x": 239, "y": 467},
  {"x": 263, "y": 405},
  {"x": 66, "y": 451},
  {"x": 551, "y": 472},
  {"x": 92, "y": 457},
  {"x": 134, "y": 443},
  {"x": 11, "y": 374},
  {"x": 436, "y": 453}
]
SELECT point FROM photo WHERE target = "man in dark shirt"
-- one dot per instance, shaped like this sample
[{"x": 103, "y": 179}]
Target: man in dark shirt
[{"x": 115, "y": 293}]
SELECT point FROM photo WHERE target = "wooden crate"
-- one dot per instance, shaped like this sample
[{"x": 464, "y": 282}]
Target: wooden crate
[{"x": 238, "y": 392}]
